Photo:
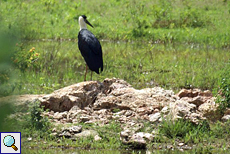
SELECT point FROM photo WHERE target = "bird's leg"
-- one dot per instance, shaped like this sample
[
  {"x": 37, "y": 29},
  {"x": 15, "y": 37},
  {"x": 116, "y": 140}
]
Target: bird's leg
[
  {"x": 91, "y": 75},
  {"x": 85, "y": 72}
]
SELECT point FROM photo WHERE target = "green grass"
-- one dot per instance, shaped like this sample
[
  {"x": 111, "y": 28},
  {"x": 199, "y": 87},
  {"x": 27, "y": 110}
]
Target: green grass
[
  {"x": 202, "y": 138},
  {"x": 206, "y": 137},
  {"x": 179, "y": 44},
  {"x": 142, "y": 65},
  {"x": 173, "y": 44},
  {"x": 205, "y": 22}
]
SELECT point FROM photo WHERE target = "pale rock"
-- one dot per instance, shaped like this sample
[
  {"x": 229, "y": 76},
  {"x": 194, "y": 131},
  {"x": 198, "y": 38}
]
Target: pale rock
[
  {"x": 84, "y": 118},
  {"x": 225, "y": 118},
  {"x": 58, "y": 116},
  {"x": 195, "y": 117},
  {"x": 147, "y": 136},
  {"x": 97, "y": 138},
  {"x": 80, "y": 94},
  {"x": 165, "y": 110},
  {"x": 198, "y": 100},
  {"x": 96, "y": 102},
  {"x": 227, "y": 111},
  {"x": 54, "y": 129},
  {"x": 75, "y": 121},
  {"x": 188, "y": 93},
  {"x": 75, "y": 129},
  {"x": 86, "y": 133},
  {"x": 74, "y": 109},
  {"x": 206, "y": 93},
  {"x": 128, "y": 113},
  {"x": 65, "y": 134},
  {"x": 137, "y": 141},
  {"x": 126, "y": 98},
  {"x": 51, "y": 112},
  {"x": 54, "y": 134},
  {"x": 210, "y": 111},
  {"x": 181, "y": 109},
  {"x": 154, "y": 117}
]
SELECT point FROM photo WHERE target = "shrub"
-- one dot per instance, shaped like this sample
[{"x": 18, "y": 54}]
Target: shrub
[
  {"x": 24, "y": 59},
  {"x": 36, "y": 120}
]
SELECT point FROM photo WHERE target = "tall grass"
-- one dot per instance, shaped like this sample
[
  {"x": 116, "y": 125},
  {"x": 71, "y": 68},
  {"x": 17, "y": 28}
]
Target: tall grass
[{"x": 142, "y": 65}]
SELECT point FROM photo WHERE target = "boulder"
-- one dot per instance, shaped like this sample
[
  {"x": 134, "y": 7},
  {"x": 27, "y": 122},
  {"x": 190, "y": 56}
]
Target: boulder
[
  {"x": 195, "y": 96},
  {"x": 181, "y": 109},
  {"x": 127, "y": 98},
  {"x": 110, "y": 94},
  {"x": 225, "y": 118},
  {"x": 80, "y": 94},
  {"x": 154, "y": 117},
  {"x": 210, "y": 111},
  {"x": 85, "y": 133},
  {"x": 137, "y": 140}
]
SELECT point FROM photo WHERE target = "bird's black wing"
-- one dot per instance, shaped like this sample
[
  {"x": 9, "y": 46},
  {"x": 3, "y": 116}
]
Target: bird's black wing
[{"x": 91, "y": 50}]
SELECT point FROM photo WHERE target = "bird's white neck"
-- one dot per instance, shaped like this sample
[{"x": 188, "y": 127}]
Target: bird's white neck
[{"x": 82, "y": 23}]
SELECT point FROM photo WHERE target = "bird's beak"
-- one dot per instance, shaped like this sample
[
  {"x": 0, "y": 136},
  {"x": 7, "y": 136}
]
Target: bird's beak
[{"x": 88, "y": 23}]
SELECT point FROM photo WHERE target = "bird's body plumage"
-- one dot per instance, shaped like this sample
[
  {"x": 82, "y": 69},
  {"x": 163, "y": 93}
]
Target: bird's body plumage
[
  {"x": 89, "y": 47},
  {"x": 91, "y": 50}
]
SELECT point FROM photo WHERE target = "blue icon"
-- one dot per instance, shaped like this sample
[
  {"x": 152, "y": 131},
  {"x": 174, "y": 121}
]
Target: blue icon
[{"x": 9, "y": 141}]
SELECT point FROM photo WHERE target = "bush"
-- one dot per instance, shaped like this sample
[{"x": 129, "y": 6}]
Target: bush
[
  {"x": 24, "y": 59},
  {"x": 36, "y": 120}
]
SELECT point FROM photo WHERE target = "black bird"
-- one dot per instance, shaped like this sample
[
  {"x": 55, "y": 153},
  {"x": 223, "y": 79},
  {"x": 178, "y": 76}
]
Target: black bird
[{"x": 90, "y": 47}]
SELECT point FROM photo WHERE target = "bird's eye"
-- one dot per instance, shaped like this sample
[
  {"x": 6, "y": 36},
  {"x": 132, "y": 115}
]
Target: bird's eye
[{"x": 84, "y": 16}]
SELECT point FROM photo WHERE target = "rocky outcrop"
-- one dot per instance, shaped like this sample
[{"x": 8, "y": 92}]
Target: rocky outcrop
[
  {"x": 115, "y": 99},
  {"x": 81, "y": 95},
  {"x": 102, "y": 99},
  {"x": 110, "y": 94}
]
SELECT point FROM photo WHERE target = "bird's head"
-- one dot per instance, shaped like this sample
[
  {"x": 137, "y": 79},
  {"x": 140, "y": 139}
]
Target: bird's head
[{"x": 83, "y": 21}]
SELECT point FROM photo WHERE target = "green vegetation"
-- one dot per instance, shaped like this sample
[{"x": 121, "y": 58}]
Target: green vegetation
[
  {"x": 203, "y": 22},
  {"x": 36, "y": 132},
  {"x": 202, "y": 138},
  {"x": 60, "y": 64},
  {"x": 224, "y": 89},
  {"x": 186, "y": 131},
  {"x": 192, "y": 40},
  {"x": 173, "y": 44}
]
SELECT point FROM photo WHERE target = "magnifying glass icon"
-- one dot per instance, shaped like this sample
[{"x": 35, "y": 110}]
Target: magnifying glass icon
[{"x": 9, "y": 141}]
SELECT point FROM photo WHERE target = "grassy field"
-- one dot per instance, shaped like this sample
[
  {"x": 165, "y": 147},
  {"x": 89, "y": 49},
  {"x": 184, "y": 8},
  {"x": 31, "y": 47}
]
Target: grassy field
[
  {"x": 60, "y": 64},
  {"x": 204, "y": 22},
  {"x": 171, "y": 43}
]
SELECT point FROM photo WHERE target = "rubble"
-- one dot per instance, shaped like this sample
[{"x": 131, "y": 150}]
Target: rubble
[{"x": 114, "y": 99}]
